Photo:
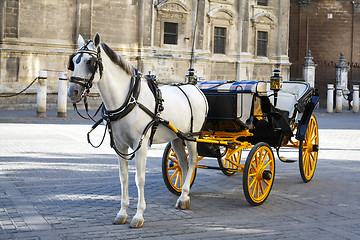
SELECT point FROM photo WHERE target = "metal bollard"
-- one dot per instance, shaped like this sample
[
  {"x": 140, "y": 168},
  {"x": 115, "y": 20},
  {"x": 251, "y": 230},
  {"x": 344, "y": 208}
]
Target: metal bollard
[
  {"x": 339, "y": 99},
  {"x": 41, "y": 95},
  {"x": 330, "y": 98},
  {"x": 62, "y": 95},
  {"x": 356, "y": 98}
]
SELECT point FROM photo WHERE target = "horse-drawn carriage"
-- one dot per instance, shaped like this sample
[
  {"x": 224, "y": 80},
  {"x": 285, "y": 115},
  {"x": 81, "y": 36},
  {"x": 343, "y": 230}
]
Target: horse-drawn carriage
[
  {"x": 242, "y": 116},
  {"x": 215, "y": 119}
]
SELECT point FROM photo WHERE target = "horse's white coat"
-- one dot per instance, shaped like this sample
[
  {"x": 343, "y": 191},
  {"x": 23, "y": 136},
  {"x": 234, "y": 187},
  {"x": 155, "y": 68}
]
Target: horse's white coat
[{"x": 114, "y": 86}]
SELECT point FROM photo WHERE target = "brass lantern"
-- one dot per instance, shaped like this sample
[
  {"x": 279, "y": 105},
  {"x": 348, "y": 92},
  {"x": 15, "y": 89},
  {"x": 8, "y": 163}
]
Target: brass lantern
[
  {"x": 191, "y": 78},
  {"x": 276, "y": 83}
]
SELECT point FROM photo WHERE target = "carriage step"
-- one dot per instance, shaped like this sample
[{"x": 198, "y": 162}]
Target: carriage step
[{"x": 285, "y": 160}]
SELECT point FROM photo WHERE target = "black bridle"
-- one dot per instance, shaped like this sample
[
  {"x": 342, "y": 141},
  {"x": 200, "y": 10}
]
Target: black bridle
[{"x": 94, "y": 63}]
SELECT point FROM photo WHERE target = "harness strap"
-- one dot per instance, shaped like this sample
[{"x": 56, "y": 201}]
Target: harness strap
[
  {"x": 128, "y": 156},
  {"x": 130, "y": 101},
  {"x": 191, "y": 110}
]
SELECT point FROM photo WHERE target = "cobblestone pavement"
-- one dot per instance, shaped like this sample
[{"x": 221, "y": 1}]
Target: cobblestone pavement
[{"x": 53, "y": 185}]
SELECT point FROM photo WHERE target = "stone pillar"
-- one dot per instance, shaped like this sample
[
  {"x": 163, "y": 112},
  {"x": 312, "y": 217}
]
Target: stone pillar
[
  {"x": 62, "y": 94},
  {"x": 41, "y": 95},
  {"x": 342, "y": 73},
  {"x": 356, "y": 98},
  {"x": 339, "y": 99},
  {"x": 342, "y": 78},
  {"x": 309, "y": 69},
  {"x": 330, "y": 98}
]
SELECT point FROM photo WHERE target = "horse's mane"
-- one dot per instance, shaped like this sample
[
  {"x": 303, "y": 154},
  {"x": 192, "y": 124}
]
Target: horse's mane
[{"x": 118, "y": 60}]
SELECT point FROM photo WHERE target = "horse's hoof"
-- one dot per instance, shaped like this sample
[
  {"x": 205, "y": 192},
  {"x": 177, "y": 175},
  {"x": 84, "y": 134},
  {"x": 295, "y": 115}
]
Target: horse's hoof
[
  {"x": 183, "y": 205},
  {"x": 120, "y": 220},
  {"x": 137, "y": 223}
]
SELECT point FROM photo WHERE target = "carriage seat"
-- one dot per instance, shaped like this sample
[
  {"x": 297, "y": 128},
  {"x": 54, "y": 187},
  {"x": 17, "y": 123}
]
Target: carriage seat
[
  {"x": 229, "y": 99},
  {"x": 287, "y": 97}
]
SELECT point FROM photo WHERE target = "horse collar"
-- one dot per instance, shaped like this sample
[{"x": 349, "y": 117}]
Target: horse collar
[{"x": 129, "y": 103}]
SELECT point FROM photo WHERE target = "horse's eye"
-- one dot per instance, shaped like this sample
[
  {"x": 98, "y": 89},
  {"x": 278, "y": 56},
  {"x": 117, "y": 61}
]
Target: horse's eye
[{"x": 88, "y": 61}]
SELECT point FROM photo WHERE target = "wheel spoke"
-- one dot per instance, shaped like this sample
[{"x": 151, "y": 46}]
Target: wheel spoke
[
  {"x": 174, "y": 174},
  {"x": 266, "y": 182},
  {"x": 267, "y": 164},
  {"x": 173, "y": 159},
  {"x": 252, "y": 182},
  {"x": 261, "y": 157},
  {"x": 252, "y": 165},
  {"x": 176, "y": 181},
  {"x": 173, "y": 167},
  {"x": 262, "y": 188},
  {"x": 257, "y": 189}
]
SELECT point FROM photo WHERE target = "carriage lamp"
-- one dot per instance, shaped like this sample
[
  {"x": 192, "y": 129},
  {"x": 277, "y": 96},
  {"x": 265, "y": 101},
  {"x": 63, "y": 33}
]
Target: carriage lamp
[
  {"x": 191, "y": 78},
  {"x": 276, "y": 84}
]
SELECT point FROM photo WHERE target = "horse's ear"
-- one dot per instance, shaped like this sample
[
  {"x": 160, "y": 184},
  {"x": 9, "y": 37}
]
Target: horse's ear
[
  {"x": 81, "y": 41},
  {"x": 96, "y": 39}
]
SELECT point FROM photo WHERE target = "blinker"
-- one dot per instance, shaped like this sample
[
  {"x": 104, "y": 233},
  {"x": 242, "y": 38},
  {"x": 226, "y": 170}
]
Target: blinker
[
  {"x": 71, "y": 66},
  {"x": 92, "y": 64}
]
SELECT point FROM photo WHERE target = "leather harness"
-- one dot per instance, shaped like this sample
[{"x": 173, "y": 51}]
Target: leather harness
[{"x": 129, "y": 104}]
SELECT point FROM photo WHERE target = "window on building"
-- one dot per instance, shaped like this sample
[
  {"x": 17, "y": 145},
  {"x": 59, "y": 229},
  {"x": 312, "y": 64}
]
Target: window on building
[
  {"x": 170, "y": 33},
  {"x": 263, "y": 2},
  {"x": 262, "y": 42},
  {"x": 219, "y": 40}
]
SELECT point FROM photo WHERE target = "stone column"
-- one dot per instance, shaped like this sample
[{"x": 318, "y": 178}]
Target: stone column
[
  {"x": 41, "y": 95},
  {"x": 309, "y": 69},
  {"x": 342, "y": 78},
  {"x": 330, "y": 98},
  {"x": 339, "y": 99},
  {"x": 356, "y": 98},
  {"x": 342, "y": 73},
  {"x": 62, "y": 95}
]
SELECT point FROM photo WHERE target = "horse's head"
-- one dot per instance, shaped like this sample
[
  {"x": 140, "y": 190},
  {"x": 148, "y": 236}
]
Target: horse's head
[{"x": 86, "y": 66}]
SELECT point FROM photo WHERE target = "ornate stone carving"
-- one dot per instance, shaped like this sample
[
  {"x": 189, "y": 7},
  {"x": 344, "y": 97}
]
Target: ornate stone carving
[
  {"x": 264, "y": 17},
  {"x": 173, "y": 6},
  {"x": 221, "y": 13},
  {"x": 309, "y": 60}
]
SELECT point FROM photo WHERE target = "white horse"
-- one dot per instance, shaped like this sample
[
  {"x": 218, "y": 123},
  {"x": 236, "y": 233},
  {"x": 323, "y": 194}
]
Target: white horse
[{"x": 185, "y": 107}]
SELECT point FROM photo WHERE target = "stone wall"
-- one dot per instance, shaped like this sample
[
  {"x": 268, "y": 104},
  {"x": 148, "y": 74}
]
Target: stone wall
[
  {"x": 327, "y": 28},
  {"x": 40, "y": 35}
]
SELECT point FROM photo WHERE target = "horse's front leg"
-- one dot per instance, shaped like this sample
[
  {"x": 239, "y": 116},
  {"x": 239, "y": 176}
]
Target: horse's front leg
[
  {"x": 124, "y": 179},
  {"x": 183, "y": 201},
  {"x": 140, "y": 158}
]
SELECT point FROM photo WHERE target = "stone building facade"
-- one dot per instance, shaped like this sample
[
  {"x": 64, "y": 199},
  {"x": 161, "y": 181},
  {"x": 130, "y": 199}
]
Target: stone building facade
[
  {"x": 327, "y": 28},
  {"x": 234, "y": 39}
]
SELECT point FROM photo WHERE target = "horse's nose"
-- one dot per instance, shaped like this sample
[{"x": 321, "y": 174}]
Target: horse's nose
[{"x": 74, "y": 94}]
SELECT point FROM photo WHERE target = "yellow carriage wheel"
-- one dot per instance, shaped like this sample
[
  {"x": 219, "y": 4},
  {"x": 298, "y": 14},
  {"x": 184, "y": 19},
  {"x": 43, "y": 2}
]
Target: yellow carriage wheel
[
  {"x": 259, "y": 174},
  {"x": 171, "y": 171},
  {"x": 308, "y": 151},
  {"x": 230, "y": 159}
]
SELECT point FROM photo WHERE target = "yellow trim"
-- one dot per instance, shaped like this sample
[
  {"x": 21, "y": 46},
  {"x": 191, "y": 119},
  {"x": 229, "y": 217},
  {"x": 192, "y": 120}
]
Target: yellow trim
[
  {"x": 173, "y": 128},
  {"x": 211, "y": 141}
]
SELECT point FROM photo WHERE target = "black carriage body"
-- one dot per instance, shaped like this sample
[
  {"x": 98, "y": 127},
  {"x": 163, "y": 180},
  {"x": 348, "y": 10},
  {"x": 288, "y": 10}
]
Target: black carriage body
[
  {"x": 230, "y": 104},
  {"x": 237, "y": 106}
]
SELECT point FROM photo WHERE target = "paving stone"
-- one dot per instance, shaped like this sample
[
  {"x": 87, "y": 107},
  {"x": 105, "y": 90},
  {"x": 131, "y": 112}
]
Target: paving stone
[{"x": 75, "y": 189}]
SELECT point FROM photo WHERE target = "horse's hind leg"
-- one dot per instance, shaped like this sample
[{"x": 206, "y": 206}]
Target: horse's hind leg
[
  {"x": 184, "y": 200},
  {"x": 124, "y": 178}
]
